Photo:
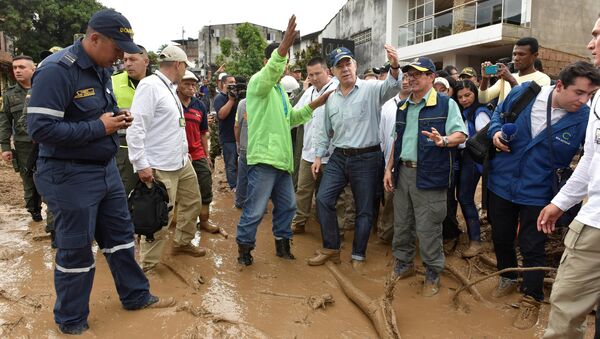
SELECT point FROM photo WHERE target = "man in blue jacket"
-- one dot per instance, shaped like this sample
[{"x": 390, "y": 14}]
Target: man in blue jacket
[{"x": 521, "y": 174}]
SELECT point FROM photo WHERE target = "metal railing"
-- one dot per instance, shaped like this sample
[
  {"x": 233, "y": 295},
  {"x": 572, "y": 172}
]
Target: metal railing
[{"x": 465, "y": 17}]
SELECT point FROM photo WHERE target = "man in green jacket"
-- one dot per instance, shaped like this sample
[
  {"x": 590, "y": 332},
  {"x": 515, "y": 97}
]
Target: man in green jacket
[{"x": 269, "y": 153}]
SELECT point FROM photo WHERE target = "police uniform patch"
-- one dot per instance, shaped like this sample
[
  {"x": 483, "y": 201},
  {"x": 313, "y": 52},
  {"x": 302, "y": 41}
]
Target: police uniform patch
[{"x": 84, "y": 93}]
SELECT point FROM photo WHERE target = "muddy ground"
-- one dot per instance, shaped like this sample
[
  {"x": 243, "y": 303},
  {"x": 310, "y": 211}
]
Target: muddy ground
[{"x": 217, "y": 298}]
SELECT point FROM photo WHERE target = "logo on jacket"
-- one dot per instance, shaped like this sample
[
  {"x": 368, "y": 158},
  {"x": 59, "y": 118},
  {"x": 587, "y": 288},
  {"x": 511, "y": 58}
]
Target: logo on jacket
[{"x": 564, "y": 138}]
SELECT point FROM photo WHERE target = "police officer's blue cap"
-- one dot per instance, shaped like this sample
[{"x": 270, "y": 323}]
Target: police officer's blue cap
[
  {"x": 420, "y": 64},
  {"x": 114, "y": 25},
  {"x": 338, "y": 54}
]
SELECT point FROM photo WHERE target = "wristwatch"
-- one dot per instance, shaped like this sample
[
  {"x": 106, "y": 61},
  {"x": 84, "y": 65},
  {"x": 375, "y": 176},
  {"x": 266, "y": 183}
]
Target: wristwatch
[{"x": 445, "y": 141}]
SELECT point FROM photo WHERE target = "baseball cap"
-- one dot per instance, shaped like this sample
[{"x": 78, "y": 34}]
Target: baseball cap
[
  {"x": 114, "y": 25},
  {"x": 221, "y": 76},
  {"x": 289, "y": 83},
  {"x": 468, "y": 71},
  {"x": 174, "y": 53},
  {"x": 189, "y": 76},
  {"x": 338, "y": 54},
  {"x": 369, "y": 71},
  {"x": 420, "y": 64},
  {"x": 440, "y": 80},
  {"x": 296, "y": 68}
]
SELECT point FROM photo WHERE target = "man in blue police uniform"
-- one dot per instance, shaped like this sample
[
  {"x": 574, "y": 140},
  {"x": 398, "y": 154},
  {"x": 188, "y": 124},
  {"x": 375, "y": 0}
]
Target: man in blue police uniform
[{"x": 73, "y": 114}]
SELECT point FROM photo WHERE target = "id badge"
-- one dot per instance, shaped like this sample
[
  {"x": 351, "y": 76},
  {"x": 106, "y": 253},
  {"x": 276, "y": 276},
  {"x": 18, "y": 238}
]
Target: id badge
[
  {"x": 181, "y": 122},
  {"x": 597, "y": 136}
]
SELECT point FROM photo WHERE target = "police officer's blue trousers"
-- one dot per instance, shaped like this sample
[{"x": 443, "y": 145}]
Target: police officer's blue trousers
[{"x": 89, "y": 202}]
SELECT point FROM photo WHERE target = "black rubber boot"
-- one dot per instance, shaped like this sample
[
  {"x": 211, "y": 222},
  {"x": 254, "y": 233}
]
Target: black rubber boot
[
  {"x": 245, "y": 258},
  {"x": 282, "y": 248}
]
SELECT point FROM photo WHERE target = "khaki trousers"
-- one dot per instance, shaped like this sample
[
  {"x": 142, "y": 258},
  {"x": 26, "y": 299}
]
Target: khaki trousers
[
  {"x": 385, "y": 229},
  {"x": 182, "y": 186},
  {"x": 576, "y": 290}
]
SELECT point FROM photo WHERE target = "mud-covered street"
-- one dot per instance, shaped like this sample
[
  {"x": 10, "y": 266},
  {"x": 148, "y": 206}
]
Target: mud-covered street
[{"x": 217, "y": 298}]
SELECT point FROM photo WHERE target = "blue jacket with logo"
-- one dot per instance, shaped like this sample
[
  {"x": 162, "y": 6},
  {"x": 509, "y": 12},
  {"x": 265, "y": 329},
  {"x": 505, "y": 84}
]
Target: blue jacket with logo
[
  {"x": 524, "y": 175},
  {"x": 69, "y": 93}
]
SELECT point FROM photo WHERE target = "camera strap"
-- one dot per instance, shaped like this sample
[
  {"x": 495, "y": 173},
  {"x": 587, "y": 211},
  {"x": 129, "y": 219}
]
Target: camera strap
[{"x": 285, "y": 107}]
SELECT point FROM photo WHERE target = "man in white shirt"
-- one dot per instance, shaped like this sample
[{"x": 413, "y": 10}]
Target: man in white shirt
[
  {"x": 158, "y": 149},
  {"x": 576, "y": 290},
  {"x": 524, "y": 53}
]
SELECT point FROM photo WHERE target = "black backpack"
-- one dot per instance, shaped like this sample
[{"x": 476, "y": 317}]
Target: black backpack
[{"x": 149, "y": 208}]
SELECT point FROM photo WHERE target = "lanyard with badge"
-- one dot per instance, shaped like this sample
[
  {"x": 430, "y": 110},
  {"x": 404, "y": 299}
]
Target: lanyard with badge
[
  {"x": 181, "y": 117},
  {"x": 596, "y": 103}
]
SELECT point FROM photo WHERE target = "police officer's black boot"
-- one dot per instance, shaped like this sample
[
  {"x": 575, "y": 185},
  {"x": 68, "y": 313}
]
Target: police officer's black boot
[
  {"x": 282, "y": 248},
  {"x": 245, "y": 258}
]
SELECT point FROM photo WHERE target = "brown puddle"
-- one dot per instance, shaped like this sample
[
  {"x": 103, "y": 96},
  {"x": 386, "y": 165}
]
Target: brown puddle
[{"x": 260, "y": 301}]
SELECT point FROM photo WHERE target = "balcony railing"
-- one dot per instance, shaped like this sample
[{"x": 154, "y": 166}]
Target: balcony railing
[{"x": 465, "y": 17}]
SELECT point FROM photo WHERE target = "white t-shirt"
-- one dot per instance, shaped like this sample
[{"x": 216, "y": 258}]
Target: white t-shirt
[
  {"x": 387, "y": 126},
  {"x": 157, "y": 137}
]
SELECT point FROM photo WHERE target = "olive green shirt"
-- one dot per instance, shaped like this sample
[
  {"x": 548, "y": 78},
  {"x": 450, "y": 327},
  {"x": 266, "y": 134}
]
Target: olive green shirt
[{"x": 12, "y": 118}]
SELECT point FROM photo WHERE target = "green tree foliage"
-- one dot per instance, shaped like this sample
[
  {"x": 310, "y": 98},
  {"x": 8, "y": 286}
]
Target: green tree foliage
[
  {"x": 226, "y": 46},
  {"x": 303, "y": 56},
  {"x": 38, "y": 25},
  {"x": 246, "y": 57},
  {"x": 153, "y": 58}
]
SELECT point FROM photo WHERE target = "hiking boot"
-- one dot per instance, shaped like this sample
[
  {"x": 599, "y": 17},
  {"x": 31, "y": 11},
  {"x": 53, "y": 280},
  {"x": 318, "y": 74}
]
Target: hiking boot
[
  {"x": 505, "y": 287},
  {"x": 358, "y": 265},
  {"x": 529, "y": 311},
  {"x": 245, "y": 258},
  {"x": 449, "y": 245},
  {"x": 282, "y": 249},
  {"x": 74, "y": 329},
  {"x": 402, "y": 270},
  {"x": 473, "y": 250},
  {"x": 37, "y": 216},
  {"x": 155, "y": 302},
  {"x": 431, "y": 286},
  {"x": 298, "y": 229},
  {"x": 323, "y": 255},
  {"x": 204, "y": 224},
  {"x": 188, "y": 249}
]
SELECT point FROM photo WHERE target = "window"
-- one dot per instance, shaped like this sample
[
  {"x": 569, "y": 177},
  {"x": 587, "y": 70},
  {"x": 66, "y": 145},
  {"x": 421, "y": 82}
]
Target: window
[{"x": 362, "y": 37}]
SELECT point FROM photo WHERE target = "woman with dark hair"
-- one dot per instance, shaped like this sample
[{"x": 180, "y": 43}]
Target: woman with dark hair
[{"x": 476, "y": 116}]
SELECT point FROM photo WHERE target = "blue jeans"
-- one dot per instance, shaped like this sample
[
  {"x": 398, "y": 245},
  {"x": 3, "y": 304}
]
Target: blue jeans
[
  {"x": 266, "y": 181},
  {"x": 242, "y": 181},
  {"x": 469, "y": 177},
  {"x": 362, "y": 172},
  {"x": 230, "y": 158}
]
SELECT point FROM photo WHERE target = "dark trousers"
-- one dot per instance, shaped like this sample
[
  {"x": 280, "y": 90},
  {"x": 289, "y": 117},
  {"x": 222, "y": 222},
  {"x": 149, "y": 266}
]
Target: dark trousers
[
  {"x": 204, "y": 175},
  {"x": 512, "y": 221},
  {"x": 469, "y": 178},
  {"x": 450, "y": 226}
]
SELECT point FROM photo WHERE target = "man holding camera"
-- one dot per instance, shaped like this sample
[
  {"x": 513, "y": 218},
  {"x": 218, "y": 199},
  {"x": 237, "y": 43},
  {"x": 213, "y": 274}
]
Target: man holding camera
[
  {"x": 524, "y": 54},
  {"x": 226, "y": 107},
  {"x": 522, "y": 172}
]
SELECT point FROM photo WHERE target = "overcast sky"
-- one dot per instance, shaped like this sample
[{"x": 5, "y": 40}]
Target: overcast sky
[{"x": 158, "y": 22}]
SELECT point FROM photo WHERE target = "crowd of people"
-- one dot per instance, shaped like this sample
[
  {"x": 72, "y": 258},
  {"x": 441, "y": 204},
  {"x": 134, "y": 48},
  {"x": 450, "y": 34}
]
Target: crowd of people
[{"x": 385, "y": 153}]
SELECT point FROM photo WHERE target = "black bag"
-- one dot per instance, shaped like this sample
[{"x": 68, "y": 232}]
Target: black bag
[
  {"x": 480, "y": 146},
  {"x": 149, "y": 208},
  {"x": 559, "y": 175}
]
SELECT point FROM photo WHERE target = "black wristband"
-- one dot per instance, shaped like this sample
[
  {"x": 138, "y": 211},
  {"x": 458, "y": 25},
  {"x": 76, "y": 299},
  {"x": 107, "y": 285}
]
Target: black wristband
[{"x": 392, "y": 67}]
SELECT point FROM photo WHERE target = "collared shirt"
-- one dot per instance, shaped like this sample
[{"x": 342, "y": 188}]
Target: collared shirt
[
  {"x": 157, "y": 137},
  {"x": 386, "y": 127},
  {"x": 308, "y": 149},
  {"x": 196, "y": 126},
  {"x": 538, "y": 112},
  {"x": 586, "y": 178},
  {"x": 352, "y": 121},
  {"x": 454, "y": 123}
]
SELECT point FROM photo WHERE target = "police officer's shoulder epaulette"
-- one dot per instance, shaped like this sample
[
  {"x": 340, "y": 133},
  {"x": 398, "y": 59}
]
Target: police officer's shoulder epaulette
[{"x": 68, "y": 59}]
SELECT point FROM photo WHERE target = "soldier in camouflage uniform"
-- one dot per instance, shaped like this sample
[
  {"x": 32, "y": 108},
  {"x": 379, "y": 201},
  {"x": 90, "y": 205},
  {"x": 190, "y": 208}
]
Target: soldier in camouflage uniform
[{"x": 13, "y": 123}]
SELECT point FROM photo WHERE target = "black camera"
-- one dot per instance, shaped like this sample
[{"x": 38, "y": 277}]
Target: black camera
[
  {"x": 383, "y": 69},
  {"x": 237, "y": 91}
]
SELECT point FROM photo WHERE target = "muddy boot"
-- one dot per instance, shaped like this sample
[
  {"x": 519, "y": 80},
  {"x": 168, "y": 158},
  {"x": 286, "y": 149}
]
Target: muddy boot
[
  {"x": 431, "y": 286},
  {"x": 505, "y": 287},
  {"x": 449, "y": 245},
  {"x": 529, "y": 311},
  {"x": 282, "y": 249},
  {"x": 473, "y": 250},
  {"x": 74, "y": 330},
  {"x": 204, "y": 224},
  {"x": 188, "y": 249},
  {"x": 402, "y": 270},
  {"x": 298, "y": 229},
  {"x": 323, "y": 255},
  {"x": 245, "y": 258},
  {"x": 358, "y": 265}
]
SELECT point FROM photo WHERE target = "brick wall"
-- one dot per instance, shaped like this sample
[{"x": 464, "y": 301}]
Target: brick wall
[{"x": 553, "y": 61}]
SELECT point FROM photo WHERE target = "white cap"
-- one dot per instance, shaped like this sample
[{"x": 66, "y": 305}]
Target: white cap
[
  {"x": 221, "y": 76},
  {"x": 440, "y": 80},
  {"x": 189, "y": 76},
  {"x": 289, "y": 83},
  {"x": 174, "y": 53}
]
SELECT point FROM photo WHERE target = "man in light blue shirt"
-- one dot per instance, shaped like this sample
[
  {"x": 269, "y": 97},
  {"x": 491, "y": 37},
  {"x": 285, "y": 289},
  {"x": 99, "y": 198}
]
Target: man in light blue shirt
[{"x": 351, "y": 121}]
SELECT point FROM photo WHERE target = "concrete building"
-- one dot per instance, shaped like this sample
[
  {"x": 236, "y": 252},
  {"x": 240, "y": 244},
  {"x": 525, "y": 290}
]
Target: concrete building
[
  {"x": 190, "y": 47},
  {"x": 464, "y": 32},
  {"x": 6, "y": 51},
  {"x": 210, "y": 36}
]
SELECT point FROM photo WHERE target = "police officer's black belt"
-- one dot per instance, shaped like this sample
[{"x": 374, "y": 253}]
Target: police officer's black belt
[
  {"x": 356, "y": 151},
  {"x": 84, "y": 161}
]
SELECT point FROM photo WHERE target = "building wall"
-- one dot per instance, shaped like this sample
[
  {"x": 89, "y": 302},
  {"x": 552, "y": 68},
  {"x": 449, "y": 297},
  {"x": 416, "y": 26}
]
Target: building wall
[
  {"x": 359, "y": 16},
  {"x": 553, "y": 61},
  {"x": 564, "y": 25}
]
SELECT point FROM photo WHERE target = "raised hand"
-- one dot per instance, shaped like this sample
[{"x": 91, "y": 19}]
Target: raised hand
[{"x": 288, "y": 38}]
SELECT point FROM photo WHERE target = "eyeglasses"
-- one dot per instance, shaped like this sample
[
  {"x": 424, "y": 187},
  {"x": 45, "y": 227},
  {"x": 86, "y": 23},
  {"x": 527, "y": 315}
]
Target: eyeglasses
[{"x": 416, "y": 75}]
